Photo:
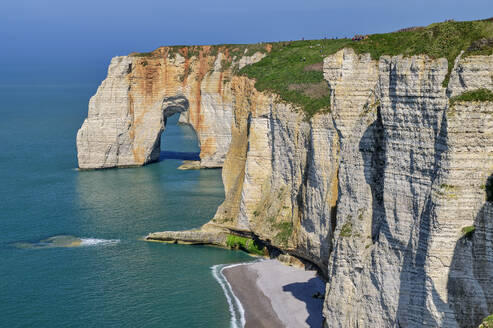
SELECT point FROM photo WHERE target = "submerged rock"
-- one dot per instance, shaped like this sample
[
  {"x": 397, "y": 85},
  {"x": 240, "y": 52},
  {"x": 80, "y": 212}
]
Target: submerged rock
[{"x": 190, "y": 165}]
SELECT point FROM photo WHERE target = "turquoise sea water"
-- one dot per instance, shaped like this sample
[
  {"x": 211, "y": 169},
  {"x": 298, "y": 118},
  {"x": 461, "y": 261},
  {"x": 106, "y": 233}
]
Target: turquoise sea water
[{"x": 110, "y": 277}]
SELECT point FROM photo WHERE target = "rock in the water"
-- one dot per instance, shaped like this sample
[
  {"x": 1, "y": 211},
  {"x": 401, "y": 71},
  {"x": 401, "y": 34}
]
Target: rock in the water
[{"x": 190, "y": 165}]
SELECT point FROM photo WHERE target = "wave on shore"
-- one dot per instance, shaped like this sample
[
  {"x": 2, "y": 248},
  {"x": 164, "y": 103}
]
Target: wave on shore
[
  {"x": 65, "y": 241},
  {"x": 235, "y": 308}
]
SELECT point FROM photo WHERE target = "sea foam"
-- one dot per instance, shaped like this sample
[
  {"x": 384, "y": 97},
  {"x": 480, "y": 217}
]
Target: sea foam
[
  {"x": 235, "y": 308},
  {"x": 96, "y": 241}
]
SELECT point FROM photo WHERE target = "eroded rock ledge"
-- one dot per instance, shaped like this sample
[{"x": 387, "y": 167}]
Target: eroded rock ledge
[
  {"x": 209, "y": 235},
  {"x": 214, "y": 235}
]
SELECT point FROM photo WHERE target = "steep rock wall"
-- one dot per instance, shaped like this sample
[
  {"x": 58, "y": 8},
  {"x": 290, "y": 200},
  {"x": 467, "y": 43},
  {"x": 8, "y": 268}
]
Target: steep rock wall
[
  {"x": 279, "y": 175},
  {"x": 410, "y": 175}
]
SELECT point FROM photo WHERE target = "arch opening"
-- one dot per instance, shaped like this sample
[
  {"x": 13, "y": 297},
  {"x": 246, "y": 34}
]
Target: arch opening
[{"x": 178, "y": 140}]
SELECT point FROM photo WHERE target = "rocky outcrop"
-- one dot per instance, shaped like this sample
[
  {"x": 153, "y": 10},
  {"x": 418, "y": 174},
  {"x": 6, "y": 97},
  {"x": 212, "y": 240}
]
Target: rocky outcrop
[
  {"x": 128, "y": 112},
  {"x": 377, "y": 192},
  {"x": 209, "y": 235},
  {"x": 278, "y": 175}
]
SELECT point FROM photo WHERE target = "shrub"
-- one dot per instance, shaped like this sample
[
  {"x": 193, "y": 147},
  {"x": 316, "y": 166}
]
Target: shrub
[
  {"x": 285, "y": 231},
  {"x": 246, "y": 244},
  {"x": 475, "y": 95},
  {"x": 347, "y": 229},
  {"x": 468, "y": 231},
  {"x": 487, "y": 322},
  {"x": 297, "y": 63}
]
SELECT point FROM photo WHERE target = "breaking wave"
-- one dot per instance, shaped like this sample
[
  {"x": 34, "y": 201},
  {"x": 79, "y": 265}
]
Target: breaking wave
[
  {"x": 95, "y": 241},
  {"x": 235, "y": 308},
  {"x": 65, "y": 241}
]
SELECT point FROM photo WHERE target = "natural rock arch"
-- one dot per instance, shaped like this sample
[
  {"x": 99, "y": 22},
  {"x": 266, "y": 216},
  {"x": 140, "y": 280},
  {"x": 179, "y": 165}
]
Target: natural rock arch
[
  {"x": 170, "y": 106},
  {"x": 128, "y": 112}
]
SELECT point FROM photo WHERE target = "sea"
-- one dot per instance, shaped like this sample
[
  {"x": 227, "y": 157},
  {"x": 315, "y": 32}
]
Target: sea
[{"x": 72, "y": 252}]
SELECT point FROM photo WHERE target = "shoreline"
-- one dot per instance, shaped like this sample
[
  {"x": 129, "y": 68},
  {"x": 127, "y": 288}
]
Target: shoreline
[
  {"x": 272, "y": 294},
  {"x": 235, "y": 307}
]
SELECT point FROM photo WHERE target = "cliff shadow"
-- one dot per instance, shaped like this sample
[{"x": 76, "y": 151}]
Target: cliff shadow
[
  {"x": 372, "y": 147},
  {"x": 470, "y": 280},
  {"x": 414, "y": 285},
  {"x": 183, "y": 155},
  {"x": 307, "y": 292}
]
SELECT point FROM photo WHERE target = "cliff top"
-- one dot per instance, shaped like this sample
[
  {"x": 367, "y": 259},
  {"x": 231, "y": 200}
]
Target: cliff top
[{"x": 293, "y": 69}]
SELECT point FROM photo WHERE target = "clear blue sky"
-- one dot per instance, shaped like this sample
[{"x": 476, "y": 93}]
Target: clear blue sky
[{"x": 66, "y": 40}]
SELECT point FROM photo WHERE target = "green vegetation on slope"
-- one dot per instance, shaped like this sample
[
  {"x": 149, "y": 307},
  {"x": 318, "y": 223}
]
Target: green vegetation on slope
[
  {"x": 291, "y": 67},
  {"x": 285, "y": 231},
  {"x": 468, "y": 231},
  {"x": 475, "y": 95},
  {"x": 347, "y": 229},
  {"x": 246, "y": 244},
  {"x": 487, "y": 322}
]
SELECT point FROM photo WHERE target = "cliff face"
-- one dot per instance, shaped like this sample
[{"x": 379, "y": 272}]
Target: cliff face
[
  {"x": 410, "y": 179},
  {"x": 376, "y": 192},
  {"x": 280, "y": 175},
  {"x": 384, "y": 183},
  {"x": 128, "y": 112}
]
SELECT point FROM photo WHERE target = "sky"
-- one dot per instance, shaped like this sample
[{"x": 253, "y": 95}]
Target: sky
[{"x": 67, "y": 41}]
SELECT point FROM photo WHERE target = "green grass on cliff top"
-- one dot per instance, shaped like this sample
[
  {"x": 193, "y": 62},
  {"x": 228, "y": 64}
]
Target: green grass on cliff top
[
  {"x": 290, "y": 64},
  {"x": 293, "y": 70},
  {"x": 233, "y": 50}
]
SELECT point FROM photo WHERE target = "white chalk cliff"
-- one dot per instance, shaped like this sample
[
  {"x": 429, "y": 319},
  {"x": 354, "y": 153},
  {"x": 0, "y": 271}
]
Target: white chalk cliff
[
  {"x": 375, "y": 192},
  {"x": 128, "y": 112}
]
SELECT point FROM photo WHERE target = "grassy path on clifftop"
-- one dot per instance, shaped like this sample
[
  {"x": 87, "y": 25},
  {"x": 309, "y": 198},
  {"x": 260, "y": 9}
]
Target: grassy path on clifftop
[{"x": 293, "y": 70}]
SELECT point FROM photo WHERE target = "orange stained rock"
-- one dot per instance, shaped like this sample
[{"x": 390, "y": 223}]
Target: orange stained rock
[
  {"x": 154, "y": 77},
  {"x": 207, "y": 147},
  {"x": 220, "y": 85},
  {"x": 186, "y": 71},
  {"x": 204, "y": 65}
]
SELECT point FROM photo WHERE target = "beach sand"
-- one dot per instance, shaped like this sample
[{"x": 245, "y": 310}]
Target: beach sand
[{"x": 277, "y": 295}]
